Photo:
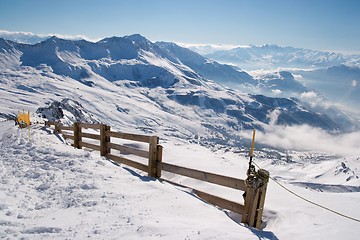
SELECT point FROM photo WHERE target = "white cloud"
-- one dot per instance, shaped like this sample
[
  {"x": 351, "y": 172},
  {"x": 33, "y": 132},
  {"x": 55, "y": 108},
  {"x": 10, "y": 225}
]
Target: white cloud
[
  {"x": 315, "y": 100},
  {"x": 297, "y": 77},
  {"x": 309, "y": 95},
  {"x": 215, "y": 46},
  {"x": 307, "y": 138},
  {"x": 273, "y": 116},
  {"x": 276, "y": 91},
  {"x": 209, "y": 48},
  {"x": 354, "y": 83},
  {"x": 31, "y": 38}
]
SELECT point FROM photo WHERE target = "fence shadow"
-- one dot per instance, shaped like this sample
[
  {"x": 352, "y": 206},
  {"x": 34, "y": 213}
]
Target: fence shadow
[
  {"x": 261, "y": 234},
  {"x": 141, "y": 177},
  {"x": 101, "y": 139}
]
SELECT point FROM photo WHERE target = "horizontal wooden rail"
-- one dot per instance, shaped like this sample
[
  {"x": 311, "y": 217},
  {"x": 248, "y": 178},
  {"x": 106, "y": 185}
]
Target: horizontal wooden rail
[
  {"x": 68, "y": 136},
  {"x": 251, "y": 210},
  {"x": 67, "y": 128},
  {"x": 221, "y": 202},
  {"x": 128, "y": 162},
  {"x": 89, "y": 145},
  {"x": 203, "y": 176},
  {"x": 129, "y": 136},
  {"x": 89, "y": 135},
  {"x": 49, "y": 123},
  {"x": 88, "y": 125},
  {"x": 129, "y": 150},
  {"x": 212, "y": 199}
]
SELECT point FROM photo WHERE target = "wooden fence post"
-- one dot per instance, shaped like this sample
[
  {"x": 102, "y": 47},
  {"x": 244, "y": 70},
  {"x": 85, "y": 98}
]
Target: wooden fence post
[
  {"x": 107, "y": 141},
  {"x": 255, "y": 198},
  {"x": 103, "y": 149},
  {"x": 264, "y": 176},
  {"x": 153, "y": 142},
  {"x": 249, "y": 212},
  {"x": 104, "y": 140},
  {"x": 77, "y": 137},
  {"x": 158, "y": 159},
  {"x": 57, "y": 128}
]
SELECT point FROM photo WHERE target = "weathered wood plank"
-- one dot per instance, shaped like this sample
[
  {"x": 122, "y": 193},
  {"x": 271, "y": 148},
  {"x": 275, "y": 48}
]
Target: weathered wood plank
[
  {"x": 103, "y": 149},
  {"x": 159, "y": 159},
  {"x": 49, "y": 123},
  {"x": 89, "y": 135},
  {"x": 128, "y": 162},
  {"x": 152, "y": 167},
  {"x": 248, "y": 199},
  {"x": 89, "y": 145},
  {"x": 129, "y": 150},
  {"x": 253, "y": 208},
  {"x": 66, "y": 136},
  {"x": 92, "y": 126},
  {"x": 204, "y": 176},
  {"x": 67, "y": 128},
  {"x": 214, "y": 200},
  {"x": 260, "y": 209},
  {"x": 77, "y": 138},
  {"x": 220, "y": 202},
  {"x": 129, "y": 136}
]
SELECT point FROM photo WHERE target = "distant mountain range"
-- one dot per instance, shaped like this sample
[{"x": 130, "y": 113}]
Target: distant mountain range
[
  {"x": 332, "y": 75},
  {"x": 273, "y": 56},
  {"x": 160, "y": 87},
  {"x": 249, "y": 62}
]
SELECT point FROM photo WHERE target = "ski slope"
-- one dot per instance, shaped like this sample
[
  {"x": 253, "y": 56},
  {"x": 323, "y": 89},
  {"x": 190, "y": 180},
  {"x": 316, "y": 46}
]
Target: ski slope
[{"x": 49, "y": 190}]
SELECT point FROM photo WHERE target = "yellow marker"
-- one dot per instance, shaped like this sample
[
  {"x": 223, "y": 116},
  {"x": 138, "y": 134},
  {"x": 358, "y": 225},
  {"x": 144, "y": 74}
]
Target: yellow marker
[
  {"x": 24, "y": 119},
  {"x": 252, "y": 144}
]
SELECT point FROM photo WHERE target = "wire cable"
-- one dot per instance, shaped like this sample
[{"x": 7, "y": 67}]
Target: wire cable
[{"x": 311, "y": 202}]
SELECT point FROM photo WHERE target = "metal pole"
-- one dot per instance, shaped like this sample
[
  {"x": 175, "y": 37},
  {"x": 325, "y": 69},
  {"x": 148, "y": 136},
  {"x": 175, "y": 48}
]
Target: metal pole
[{"x": 252, "y": 149}]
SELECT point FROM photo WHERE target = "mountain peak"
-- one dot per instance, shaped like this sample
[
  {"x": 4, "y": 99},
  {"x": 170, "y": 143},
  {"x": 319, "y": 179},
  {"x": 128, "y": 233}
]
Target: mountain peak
[
  {"x": 55, "y": 39},
  {"x": 137, "y": 38}
]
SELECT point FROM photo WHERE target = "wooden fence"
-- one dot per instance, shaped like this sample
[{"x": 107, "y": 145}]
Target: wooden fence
[{"x": 254, "y": 186}]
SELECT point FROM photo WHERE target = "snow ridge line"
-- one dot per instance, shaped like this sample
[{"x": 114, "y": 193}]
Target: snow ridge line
[{"x": 311, "y": 202}]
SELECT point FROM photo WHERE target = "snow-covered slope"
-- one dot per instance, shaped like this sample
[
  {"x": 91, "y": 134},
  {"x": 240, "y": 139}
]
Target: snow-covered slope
[
  {"x": 49, "y": 190},
  {"x": 137, "y": 86},
  {"x": 132, "y": 68}
]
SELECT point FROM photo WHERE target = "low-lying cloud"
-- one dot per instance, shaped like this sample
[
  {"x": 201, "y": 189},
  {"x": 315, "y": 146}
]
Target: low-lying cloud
[{"x": 307, "y": 138}]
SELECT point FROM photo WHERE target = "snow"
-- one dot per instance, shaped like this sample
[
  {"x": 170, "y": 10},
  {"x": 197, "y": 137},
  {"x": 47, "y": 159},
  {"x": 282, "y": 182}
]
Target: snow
[{"x": 51, "y": 190}]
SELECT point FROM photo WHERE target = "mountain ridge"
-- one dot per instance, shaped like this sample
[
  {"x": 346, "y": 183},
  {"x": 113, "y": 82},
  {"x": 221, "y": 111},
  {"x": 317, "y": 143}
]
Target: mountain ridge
[{"x": 187, "y": 103}]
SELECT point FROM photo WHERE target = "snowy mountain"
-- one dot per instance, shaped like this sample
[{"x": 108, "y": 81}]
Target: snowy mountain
[
  {"x": 207, "y": 68},
  {"x": 272, "y": 56},
  {"x": 338, "y": 83},
  {"x": 253, "y": 58},
  {"x": 134, "y": 70},
  {"x": 31, "y": 38},
  {"x": 332, "y": 75},
  {"x": 48, "y": 189}
]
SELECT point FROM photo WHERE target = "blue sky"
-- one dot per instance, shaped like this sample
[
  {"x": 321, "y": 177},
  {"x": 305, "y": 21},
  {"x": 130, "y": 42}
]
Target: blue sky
[{"x": 314, "y": 24}]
